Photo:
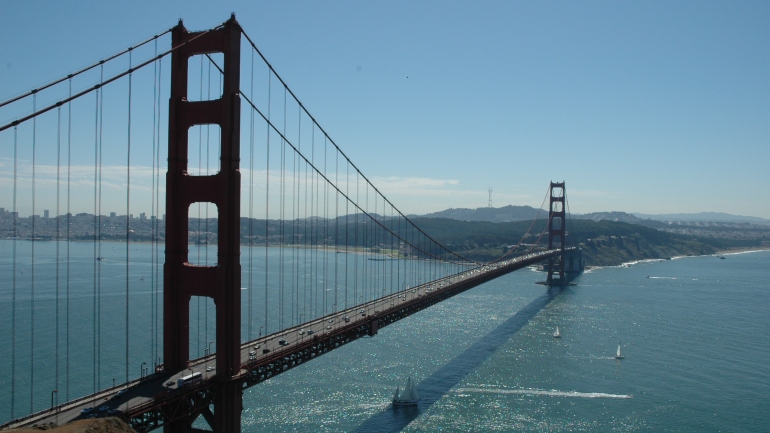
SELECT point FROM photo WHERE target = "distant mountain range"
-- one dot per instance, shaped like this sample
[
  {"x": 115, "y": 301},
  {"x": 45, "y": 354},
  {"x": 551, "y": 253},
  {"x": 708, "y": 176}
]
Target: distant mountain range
[
  {"x": 705, "y": 216},
  {"x": 492, "y": 214},
  {"x": 610, "y": 216},
  {"x": 524, "y": 213}
]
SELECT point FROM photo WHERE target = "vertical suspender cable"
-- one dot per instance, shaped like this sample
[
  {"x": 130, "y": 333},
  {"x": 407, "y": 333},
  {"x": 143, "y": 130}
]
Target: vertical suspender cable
[
  {"x": 157, "y": 220},
  {"x": 398, "y": 255},
  {"x": 13, "y": 279},
  {"x": 206, "y": 213},
  {"x": 32, "y": 265},
  {"x": 281, "y": 228},
  {"x": 128, "y": 210},
  {"x": 365, "y": 246},
  {"x": 392, "y": 253},
  {"x": 199, "y": 218},
  {"x": 336, "y": 228},
  {"x": 99, "y": 242},
  {"x": 374, "y": 243},
  {"x": 267, "y": 204},
  {"x": 366, "y": 278},
  {"x": 198, "y": 246},
  {"x": 347, "y": 227},
  {"x": 313, "y": 223},
  {"x": 69, "y": 214},
  {"x": 355, "y": 242},
  {"x": 58, "y": 244},
  {"x": 154, "y": 217},
  {"x": 251, "y": 205},
  {"x": 294, "y": 216},
  {"x": 305, "y": 223},
  {"x": 98, "y": 236},
  {"x": 96, "y": 257},
  {"x": 207, "y": 337},
  {"x": 326, "y": 231}
]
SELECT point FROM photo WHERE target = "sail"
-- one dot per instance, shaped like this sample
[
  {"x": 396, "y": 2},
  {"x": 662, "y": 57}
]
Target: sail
[
  {"x": 413, "y": 394},
  {"x": 410, "y": 394},
  {"x": 618, "y": 355}
]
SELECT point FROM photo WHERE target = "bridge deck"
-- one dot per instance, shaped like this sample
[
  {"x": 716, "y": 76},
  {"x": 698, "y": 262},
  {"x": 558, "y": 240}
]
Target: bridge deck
[{"x": 150, "y": 402}]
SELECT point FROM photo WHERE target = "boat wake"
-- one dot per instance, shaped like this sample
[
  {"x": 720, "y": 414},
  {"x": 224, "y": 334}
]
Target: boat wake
[
  {"x": 671, "y": 278},
  {"x": 551, "y": 393}
]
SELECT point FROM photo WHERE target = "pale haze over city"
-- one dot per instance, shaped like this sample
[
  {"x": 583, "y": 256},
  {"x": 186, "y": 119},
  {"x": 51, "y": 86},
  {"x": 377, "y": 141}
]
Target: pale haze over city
[{"x": 648, "y": 107}]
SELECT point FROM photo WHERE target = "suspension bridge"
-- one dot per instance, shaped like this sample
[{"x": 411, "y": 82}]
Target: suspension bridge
[{"x": 160, "y": 299}]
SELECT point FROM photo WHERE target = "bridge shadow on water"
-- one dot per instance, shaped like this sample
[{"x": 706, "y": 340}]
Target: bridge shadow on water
[{"x": 394, "y": 419}]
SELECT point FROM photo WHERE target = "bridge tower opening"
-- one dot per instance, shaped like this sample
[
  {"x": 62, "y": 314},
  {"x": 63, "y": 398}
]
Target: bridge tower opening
[
  {"x": 556, "y": 234},
  {"x": 183, "y": 280}
]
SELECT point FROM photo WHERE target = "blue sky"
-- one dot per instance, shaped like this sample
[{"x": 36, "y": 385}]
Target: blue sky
[{"x": 651, "y": 107}]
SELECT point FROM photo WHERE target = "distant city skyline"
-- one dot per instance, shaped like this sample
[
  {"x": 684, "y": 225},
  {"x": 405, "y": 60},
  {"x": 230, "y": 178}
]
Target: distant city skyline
[
  {"x": 653, "y": 108},
  {"x": 47, "y": 215}
]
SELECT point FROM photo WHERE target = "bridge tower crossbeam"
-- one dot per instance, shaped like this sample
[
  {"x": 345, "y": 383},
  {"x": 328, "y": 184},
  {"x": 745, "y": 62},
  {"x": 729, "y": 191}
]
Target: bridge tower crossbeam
[{"x": 182, "y": 280}]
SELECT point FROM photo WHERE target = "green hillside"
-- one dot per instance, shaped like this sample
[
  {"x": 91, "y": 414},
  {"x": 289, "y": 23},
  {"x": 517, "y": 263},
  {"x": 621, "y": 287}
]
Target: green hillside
[{"x": 604, "y": 243}]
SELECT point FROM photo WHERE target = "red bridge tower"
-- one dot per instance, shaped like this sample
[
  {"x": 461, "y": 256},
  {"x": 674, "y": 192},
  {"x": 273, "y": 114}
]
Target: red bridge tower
[
  {"x": 182, "y": 280},
  {"x": 556, "y": 234}
]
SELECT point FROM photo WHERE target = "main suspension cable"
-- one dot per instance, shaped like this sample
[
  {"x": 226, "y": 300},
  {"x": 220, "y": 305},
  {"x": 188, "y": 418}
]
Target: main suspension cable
[
  {"x": 524, "y": 236},
  {"x": 329, "y": 182},
  {"x": 270, "y": 67},
  {"x": 101, "y": 84},
  {"x": 86, "y": 69}
]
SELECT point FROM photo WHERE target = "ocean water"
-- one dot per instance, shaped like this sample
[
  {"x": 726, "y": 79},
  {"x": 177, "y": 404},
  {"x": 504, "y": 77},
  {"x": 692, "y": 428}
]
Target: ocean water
[{"x": 694, "y": 332}]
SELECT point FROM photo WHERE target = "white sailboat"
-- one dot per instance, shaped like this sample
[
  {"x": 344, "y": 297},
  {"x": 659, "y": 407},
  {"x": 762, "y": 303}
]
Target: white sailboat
[
  {"x": 407, "y": 398},
  {"x": 618, "y": 355},
  {"x": 557, "y": 334}
]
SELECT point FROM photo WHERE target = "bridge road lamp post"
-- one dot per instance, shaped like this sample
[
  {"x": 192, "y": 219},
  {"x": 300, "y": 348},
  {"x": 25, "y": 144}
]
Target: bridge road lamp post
[
  {"x": 141, "y": 374},
  {"x": 207, "y": 354},
  {"x": 55, "y": 391},
  {"x": 302, "y": 333}
]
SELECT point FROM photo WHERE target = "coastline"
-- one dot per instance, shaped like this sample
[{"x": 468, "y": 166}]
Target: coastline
[
  {"x": 734, "y": 251},
  {"x": 727, "y": 252}
]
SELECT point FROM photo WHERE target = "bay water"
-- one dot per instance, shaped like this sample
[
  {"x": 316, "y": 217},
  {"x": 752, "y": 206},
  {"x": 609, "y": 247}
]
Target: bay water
[{"x": 694, "y": 333}]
